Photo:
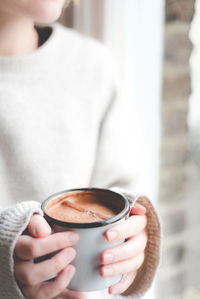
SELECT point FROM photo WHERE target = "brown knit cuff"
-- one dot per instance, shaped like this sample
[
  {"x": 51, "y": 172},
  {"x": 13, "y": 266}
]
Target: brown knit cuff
[{"x": 146, "y": 273}]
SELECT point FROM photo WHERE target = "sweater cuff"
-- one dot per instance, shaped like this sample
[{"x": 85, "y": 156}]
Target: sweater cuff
[
  {"x": 146, "y": 273},
  {"x": 13, "y": 221}
]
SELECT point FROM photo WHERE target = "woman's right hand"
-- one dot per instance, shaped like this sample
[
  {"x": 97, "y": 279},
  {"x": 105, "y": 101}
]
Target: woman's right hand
[{"x": 32, "y": 278}]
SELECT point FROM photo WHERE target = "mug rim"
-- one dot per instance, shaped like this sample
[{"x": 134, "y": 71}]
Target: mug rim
[{"x": 108, "y": 221}]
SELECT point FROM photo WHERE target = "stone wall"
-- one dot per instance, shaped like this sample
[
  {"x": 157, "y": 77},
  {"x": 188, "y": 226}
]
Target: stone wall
[
  {"x": 67, "y": 16},
  {"x": 179, "y": 10},
  {"x": 172, "y": 281}
]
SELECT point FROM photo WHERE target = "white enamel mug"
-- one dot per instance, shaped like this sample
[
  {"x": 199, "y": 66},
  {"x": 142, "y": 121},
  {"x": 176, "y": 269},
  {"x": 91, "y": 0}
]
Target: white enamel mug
[{"x": 92, "y": 241}]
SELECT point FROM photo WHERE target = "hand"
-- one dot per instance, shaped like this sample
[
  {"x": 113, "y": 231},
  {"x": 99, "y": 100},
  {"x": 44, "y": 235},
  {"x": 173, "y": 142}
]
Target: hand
[
  {"x": 128, "y": 257},
  {"x": 32, "y": 277}
]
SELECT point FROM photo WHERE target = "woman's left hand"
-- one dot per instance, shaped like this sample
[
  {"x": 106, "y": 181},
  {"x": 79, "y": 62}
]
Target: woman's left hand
[{"x": 127, "y": 258}]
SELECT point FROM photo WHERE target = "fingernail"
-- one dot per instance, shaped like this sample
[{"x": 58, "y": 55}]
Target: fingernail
[
  {"x": 70, "y": 253},
  {"x": 71, "y": 270},
  {"x": 138, "y": 209},
  {"x": 73, "y": 237},
  {"x": 114, "y": 291},
  {"x": 107, "y": 271},
  {"x": 42, "y": 230},
  {"x": 112, "y": 235},
  {"x": 108, "y": 257}
]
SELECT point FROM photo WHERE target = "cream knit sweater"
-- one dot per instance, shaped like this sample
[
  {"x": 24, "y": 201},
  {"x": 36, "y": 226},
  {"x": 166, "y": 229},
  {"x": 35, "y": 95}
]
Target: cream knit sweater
[{"x": 62, "y": 126}]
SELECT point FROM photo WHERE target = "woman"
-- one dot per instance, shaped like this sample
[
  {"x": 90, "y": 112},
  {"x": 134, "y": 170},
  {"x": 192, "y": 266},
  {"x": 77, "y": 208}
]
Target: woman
[{"x": 60, "y": 128}]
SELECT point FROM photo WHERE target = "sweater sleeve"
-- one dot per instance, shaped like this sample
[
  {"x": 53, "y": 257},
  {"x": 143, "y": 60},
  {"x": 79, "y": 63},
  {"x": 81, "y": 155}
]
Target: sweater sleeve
[
  {"x": 117, "y": 165},
  {"x": 13, "y": 221}
]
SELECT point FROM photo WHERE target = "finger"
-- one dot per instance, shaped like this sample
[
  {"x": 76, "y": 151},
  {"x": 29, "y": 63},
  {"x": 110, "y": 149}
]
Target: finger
[
  {"x": 122, "y": 267},
  {"x": 55, "y": 287},
  {"x": 32, "y": 274},
  {"x": 28, "y": 248},
  {"x": 123, "y": 285},
  {"x": 128, "y": 228},
  {"x": 38, "y": 227},
  {"x": 138, "y": 209},
  {"x": 129, "y": 249},
  {"x": 68, "y": 294},
  {"x": 51, "y": 289}
]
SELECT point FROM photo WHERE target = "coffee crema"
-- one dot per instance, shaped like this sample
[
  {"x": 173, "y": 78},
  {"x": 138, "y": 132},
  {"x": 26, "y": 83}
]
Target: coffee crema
[{"x": 83, "y": 207}]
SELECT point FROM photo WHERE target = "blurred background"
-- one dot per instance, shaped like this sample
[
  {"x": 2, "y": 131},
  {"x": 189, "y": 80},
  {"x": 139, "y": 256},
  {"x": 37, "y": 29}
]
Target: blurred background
[{"x": 157, "y": 47}]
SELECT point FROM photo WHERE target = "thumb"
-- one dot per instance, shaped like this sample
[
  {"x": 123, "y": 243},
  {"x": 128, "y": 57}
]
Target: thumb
[{"x": 38, "y": 227}]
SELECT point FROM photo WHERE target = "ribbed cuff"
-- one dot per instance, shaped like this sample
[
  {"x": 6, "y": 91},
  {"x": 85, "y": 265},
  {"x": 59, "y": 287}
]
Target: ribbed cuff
[
  {"x": 13, "y": 221},
  {"x": 146, "y": 273}
]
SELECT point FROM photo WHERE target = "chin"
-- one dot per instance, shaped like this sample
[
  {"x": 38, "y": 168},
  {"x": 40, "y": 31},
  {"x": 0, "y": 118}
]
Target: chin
[{"x": 46, "y": 11}]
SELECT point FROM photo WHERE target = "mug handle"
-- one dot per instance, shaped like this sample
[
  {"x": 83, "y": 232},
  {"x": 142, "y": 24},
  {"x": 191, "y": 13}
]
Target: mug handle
[{"x": 132, "y": 197}]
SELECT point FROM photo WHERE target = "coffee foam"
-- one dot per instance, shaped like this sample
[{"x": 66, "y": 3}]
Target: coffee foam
[{"x": 84, "y": 206}]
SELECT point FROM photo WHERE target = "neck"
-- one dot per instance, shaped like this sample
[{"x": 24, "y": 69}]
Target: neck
[{"x": 17, "y": 36}]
